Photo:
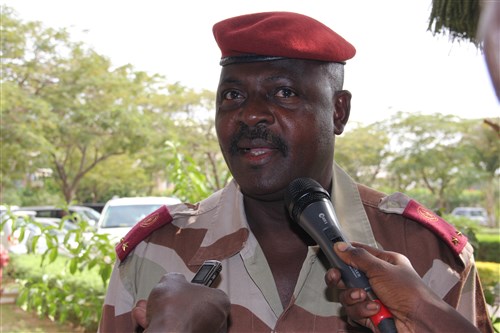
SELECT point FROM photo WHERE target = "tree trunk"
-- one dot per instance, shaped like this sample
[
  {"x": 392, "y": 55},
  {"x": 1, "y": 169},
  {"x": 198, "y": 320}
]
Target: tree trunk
[{"x": 491, "y": 202}]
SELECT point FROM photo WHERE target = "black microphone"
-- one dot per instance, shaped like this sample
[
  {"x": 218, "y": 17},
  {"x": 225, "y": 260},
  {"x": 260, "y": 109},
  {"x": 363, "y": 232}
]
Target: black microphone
[{"x": 310, "y": 206}]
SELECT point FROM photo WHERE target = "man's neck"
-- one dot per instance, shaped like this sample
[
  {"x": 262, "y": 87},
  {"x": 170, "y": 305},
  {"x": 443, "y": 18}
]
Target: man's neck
[{"x": 283, "y": 242}]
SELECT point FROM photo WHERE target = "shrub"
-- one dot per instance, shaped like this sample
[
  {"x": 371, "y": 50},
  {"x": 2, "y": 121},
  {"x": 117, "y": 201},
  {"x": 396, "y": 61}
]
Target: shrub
[
  {"x": 69, "y": 287},
  {"x": 489, "y": 274},
  {"x": 489, "y": 245},
  {"x": 466, "y": 226}
]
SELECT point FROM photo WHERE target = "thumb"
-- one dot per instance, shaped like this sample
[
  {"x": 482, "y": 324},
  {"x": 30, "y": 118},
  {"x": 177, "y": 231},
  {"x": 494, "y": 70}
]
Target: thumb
[
  {"x": 354, "y": 256},
  {"x": 139, "y": 313}
]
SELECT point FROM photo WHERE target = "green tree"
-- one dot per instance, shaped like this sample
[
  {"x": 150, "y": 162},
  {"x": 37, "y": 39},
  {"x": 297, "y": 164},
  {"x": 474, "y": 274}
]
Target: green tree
[
  {"x": 428, "y": 153},
  {"x": 362, "y": 152},
  {"x": 191, "y": 149},
  {"x": 81, "y": 111},
  {"x": 120, "y": 176},
  {"x": 459, "y": 19},
  {"x": 67, "y": 108},
  {"x": 482, "y": 143}
]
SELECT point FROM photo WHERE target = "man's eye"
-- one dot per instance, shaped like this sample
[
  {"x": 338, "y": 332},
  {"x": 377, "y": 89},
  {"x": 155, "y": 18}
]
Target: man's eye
[
  {"x": 285, "y": 93},
  {"x": 232, "y": 94}
]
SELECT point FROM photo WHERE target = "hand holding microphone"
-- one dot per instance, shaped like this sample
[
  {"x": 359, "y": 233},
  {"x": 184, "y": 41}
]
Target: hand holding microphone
[{"x": 310, "y": 206}]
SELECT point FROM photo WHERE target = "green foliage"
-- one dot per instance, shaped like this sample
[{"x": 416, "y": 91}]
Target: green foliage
[
  {"x": 191, "y": 183},
  {"x": 467, "y": 198},
  {"x": 489, "y": 247},
  {"x": 52, "y": 280},
  {"x": 482, "y": 145},
  {"x": 108, "y": 131},
  {"x": 485, "y": 241},
  {"x": 428, "y": 152},
  {"x": 422, "y": 195},
  {"x": 440, "y": 160},
  {"x": 465, "y": 226},
  {"x": 488, "y": 251},
  {"x": 67, "y": 108},
  {"x": 49, "y": 193},
  {"x": 489, "y": 235},
  {"x": 51, "y": 291},
  {"x": 459, "y": 19},
  {"x": 363, "y": 152},
  {"x": 489, "y": 274},
  {"x": 118, "y": 176}
]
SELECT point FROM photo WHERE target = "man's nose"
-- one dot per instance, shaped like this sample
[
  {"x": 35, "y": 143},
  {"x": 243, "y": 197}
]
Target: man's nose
[{"x": 257, "y": 110}]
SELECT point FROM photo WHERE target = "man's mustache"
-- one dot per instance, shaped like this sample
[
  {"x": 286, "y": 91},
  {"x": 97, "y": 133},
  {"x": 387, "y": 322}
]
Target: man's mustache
[{"x": 257, "y": 132}]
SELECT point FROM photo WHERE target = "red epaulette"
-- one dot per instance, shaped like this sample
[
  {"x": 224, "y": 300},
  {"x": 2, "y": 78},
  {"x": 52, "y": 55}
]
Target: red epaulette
[
  {"x": 141, "y": 230},
  {"x": 455, "y": 240}
]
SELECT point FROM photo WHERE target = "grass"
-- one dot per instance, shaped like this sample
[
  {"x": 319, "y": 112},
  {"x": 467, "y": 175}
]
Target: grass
[{"x": 29, "y": 265}]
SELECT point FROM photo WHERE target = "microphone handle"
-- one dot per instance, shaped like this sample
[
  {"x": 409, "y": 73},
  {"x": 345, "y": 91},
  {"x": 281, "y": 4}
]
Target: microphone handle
[{"x": 326, "y": 232}]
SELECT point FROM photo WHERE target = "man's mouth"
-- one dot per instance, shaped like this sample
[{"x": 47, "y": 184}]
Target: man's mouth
[
  {"x": 256, "y": 142},
  {"x": 256, "y": 151},
  {"x": 254, "y": 146}
]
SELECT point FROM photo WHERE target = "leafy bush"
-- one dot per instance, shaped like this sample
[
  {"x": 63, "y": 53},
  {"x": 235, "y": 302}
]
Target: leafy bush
[
  {"x": 488, "y": 251},
  {"x": 486, "y": 241},
  {"x": 465, "y": 226},
  {"x": 489, "y": 245},
  {"x": 489, "y": 273},
  {"x": 67, "y": 281}
]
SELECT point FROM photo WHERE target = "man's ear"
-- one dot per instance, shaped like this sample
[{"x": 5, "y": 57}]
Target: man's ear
[{"x": 342, "y": 110}]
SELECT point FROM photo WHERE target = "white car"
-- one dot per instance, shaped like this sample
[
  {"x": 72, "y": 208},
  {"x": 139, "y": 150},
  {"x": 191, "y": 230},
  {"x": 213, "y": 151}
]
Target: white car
[
  {"x": 31, "y": 226},
  {"x": 477, "y": 214},
  {"x": 120, "y": 215},
  {"x": 88, "y": 214}
]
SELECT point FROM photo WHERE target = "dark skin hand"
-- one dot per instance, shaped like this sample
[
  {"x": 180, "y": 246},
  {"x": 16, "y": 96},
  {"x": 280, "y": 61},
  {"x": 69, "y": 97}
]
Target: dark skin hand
[
  {"x": 176, "y": 305},
  {"x": 415, "y": 307}
]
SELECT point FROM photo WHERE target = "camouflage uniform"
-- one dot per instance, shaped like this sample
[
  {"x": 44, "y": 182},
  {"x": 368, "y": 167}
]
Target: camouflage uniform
[{"x": 181, "y": 238}]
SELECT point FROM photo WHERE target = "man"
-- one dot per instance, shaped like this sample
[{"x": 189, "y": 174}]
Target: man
[{"x": 279, "y": 105}]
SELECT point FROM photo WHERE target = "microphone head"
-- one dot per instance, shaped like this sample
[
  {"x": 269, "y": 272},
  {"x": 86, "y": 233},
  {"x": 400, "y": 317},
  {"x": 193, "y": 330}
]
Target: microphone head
[{"x": 300, "y": 193}]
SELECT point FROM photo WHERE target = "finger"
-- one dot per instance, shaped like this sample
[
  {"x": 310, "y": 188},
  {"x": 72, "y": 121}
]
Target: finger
[
  {"x": 353, "y": 256},
  {"x": 359, "y": 258},
  {"x": 333, "y": 278},
  {"x": 387, "y": 256},
  {"x": 173, "y": 276},
  {"x": 352, "y": 296},
  {"x": 139, "y": 313},
  {"x": 362, "y": 310}
]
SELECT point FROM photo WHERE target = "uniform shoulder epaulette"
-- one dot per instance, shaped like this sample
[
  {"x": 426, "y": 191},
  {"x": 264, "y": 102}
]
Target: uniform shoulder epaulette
[
  {"x": 411, "y": 209},
  {"x": 141, "y": 230}
]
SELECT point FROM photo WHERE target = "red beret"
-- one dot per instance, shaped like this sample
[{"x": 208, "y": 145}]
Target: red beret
[{"x": 278, "y": 35}]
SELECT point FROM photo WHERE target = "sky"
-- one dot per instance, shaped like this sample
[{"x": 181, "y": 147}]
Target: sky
[{"x": 399, "y": 65}]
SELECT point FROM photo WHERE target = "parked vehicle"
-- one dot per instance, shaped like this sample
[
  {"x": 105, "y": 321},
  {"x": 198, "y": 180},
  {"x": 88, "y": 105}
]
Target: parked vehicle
[
  {"x": 477, "y": 214},
  {"x": 120, "y": 215},
  {"x": 95, "y": 206},
  {"x": 87, "y": 214},
  {"x": 21, "y": 240}
]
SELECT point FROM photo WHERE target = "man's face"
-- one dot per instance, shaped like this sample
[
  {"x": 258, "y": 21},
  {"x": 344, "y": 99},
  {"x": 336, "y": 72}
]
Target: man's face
[{"x": 275, "y": 123}]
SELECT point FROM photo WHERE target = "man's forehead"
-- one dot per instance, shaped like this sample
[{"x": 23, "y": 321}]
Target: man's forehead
[
  {"x": 270, "y": 36},
  {"x": 280, "y": 68}
]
